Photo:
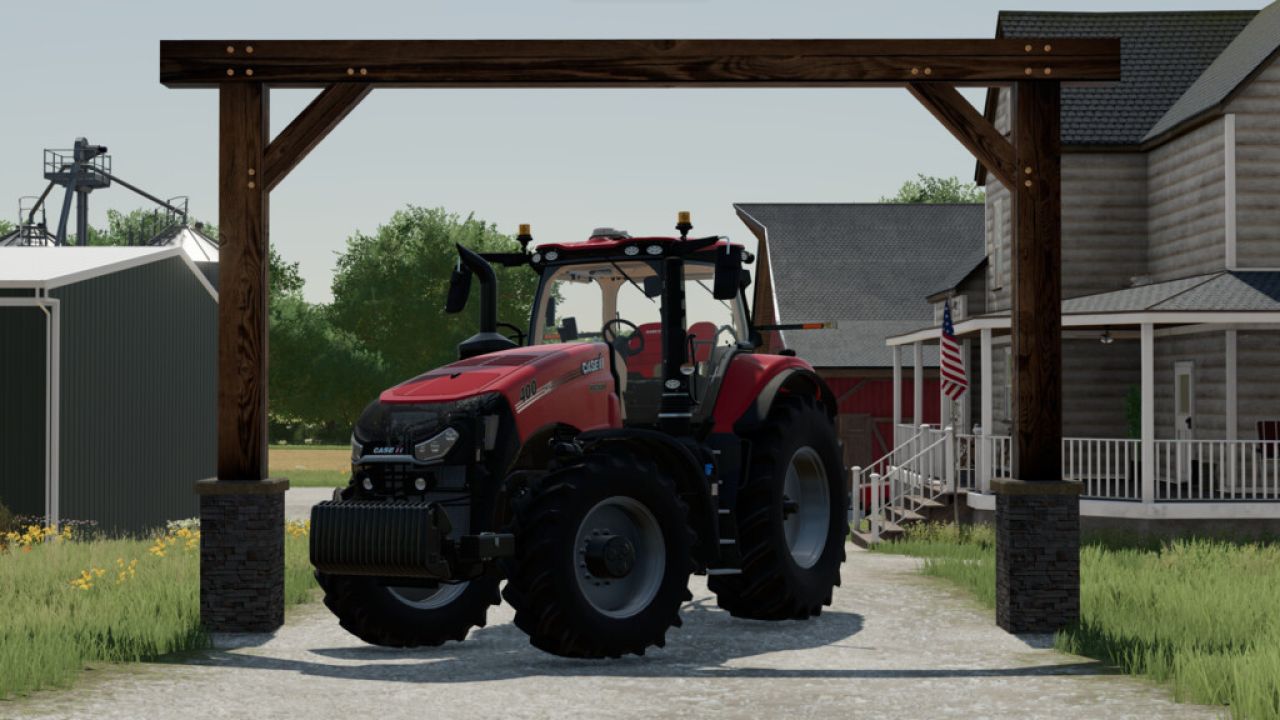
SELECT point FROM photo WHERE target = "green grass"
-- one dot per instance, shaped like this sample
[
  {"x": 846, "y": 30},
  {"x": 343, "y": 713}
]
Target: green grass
[
  {"x": 314, "y": 478},
  {"x": 1201, "y": 615},
  {"x": 50, "y": 629}
]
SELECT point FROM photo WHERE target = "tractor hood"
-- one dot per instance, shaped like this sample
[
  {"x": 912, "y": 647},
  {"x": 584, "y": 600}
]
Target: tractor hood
[{"x": 544, "y": 384}]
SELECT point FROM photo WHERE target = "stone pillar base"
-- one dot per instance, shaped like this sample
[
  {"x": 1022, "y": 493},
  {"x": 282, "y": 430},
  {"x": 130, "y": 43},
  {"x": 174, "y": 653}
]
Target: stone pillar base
[
  {"x": 1037, "y": 555},
  {"x": 242, "y": 554}
]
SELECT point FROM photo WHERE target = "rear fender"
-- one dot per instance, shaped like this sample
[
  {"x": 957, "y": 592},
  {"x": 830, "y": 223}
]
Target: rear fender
[{"x": 754, "y": 383}]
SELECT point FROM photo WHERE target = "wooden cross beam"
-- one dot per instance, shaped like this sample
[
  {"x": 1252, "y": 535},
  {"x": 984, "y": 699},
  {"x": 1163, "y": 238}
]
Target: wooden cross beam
[
  {"x": 311, "y": 126},
  {"x": 969, "y": 127},
  {"x": 634, "y": 63}
]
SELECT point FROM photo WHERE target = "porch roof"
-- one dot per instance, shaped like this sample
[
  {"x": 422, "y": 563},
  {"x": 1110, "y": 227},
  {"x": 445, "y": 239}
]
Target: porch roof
[{"x": 1226, "y": 297}]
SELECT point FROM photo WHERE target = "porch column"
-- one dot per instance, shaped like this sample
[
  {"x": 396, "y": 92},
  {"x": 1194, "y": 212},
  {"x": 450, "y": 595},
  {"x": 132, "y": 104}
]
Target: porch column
[
  {"x": 988, "y": 416},
  {"x": 897, "y": 393},
  {"x": 917, "y": 380},
  {"x": 1233, "y": 407},
  {"x": 1233, "y": 452},
  {"x": 1148, "y": 413}
]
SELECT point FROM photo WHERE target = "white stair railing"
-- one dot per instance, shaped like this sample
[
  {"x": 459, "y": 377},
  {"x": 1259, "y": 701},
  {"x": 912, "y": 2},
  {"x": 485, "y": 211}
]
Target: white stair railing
[{"x": 926, "y": 474}]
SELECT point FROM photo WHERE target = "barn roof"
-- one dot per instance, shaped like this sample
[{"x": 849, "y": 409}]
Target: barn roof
[{"x": 867, "y": 266}]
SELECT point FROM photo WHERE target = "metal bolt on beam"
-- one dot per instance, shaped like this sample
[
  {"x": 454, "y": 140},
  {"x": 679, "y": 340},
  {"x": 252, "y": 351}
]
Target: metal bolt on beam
[{"x": 230, "y": 72}]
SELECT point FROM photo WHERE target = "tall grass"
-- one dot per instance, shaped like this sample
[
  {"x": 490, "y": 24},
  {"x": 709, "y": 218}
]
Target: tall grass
[
  {"x": 67, "y": 603},
  {"x": 1200, "y": 615}
]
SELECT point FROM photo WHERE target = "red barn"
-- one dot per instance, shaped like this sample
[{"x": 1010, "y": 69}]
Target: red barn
[{"x": 868, "y": 267}]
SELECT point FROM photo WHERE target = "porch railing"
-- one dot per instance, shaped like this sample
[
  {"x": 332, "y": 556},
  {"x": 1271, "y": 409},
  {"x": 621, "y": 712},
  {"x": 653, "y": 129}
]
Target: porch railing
[
  {"x": 1109, "y": 468},
  {"x": 1217, "y": 470}
]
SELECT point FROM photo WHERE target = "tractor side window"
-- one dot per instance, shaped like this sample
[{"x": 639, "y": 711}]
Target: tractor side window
[{"x": 714, "y": 326}]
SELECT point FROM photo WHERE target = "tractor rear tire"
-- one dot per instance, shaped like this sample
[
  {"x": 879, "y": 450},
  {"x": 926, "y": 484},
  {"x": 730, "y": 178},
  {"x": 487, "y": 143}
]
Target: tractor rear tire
[
  {"x": 602, "y": 559},
  {"x": 404, "y": 617},
  {"x": 792, "y": 547}
]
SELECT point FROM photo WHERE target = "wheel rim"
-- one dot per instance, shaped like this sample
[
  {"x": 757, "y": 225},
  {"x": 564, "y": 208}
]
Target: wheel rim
[
  {"x": 621, "y": 517},
  {"x": 423, "y": 598},
  {"x": 806, "y": 507}
]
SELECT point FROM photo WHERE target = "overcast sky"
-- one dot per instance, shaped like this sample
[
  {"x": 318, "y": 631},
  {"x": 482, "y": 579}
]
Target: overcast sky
[{"x": 563, "y": 160}]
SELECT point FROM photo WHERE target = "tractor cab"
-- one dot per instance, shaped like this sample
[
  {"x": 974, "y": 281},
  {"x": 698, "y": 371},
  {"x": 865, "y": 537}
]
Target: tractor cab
[{"x": 611, "y": 289}]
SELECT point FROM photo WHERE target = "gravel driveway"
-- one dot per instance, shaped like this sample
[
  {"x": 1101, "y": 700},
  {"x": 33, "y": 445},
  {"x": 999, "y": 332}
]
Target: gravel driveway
[{"x": 895, "y": 645}]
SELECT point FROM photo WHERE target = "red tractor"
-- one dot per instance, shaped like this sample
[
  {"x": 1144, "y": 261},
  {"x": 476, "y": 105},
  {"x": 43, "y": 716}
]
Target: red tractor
[{"x": 594, "y": 463}]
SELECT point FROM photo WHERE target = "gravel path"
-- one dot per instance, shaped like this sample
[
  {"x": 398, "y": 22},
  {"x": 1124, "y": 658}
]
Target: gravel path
[
  {"x": 298, "y": 501},
  {"x": 895, "y": 645}
]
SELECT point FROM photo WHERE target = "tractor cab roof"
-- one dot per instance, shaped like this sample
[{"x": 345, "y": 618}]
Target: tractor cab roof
[{"x": 616, "y": 244}]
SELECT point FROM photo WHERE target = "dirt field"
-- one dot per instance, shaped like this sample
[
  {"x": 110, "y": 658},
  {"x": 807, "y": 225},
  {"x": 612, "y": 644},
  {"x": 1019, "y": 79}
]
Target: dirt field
[{"x": 284, "y": 459}]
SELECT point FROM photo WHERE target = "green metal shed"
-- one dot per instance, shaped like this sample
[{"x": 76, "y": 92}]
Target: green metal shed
[{"x": 108, "y": 384}]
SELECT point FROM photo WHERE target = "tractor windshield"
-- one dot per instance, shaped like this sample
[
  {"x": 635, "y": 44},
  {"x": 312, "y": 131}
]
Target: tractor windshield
[{"x": 583, "y": 302}]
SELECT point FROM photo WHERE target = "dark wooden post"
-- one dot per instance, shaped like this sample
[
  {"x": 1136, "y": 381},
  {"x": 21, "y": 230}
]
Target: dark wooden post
[
  {"x": 1037, "y": 515},
  {"x": 242, "y": 274},
  {"x": 242, "y": 511}
]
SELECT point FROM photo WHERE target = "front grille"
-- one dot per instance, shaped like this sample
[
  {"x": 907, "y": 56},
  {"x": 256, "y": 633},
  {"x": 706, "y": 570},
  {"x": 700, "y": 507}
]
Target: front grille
[{"x": 397, "y": 479}]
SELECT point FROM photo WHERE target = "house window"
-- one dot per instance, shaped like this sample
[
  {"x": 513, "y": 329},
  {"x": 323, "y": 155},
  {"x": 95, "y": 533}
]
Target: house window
[{"x": 995, "y": 253}]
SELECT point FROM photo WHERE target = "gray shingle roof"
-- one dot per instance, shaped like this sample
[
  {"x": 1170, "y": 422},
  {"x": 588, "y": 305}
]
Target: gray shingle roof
[
  {"x": 868, "y": 266},
  {"x": 1161, "y": 56},
  {"x": 1255, "y": 43},
  {"x": 1237, "y": 291}
]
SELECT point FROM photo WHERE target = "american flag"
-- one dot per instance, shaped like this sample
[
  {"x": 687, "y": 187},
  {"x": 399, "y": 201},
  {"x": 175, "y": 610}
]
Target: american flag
[{"x": 954, "y": 381}]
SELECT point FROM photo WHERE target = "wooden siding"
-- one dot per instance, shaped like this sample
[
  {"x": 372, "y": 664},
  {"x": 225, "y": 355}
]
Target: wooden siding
[
  {"x": 1186, "y": 205},
  {"x": 1258, "y": 397},
  {"x": 1208, "y": 353},
  {"x": 1257, "y": 118},
  {"x": 1095, "y": 380},
  {"x": 1104, "y": 221}
]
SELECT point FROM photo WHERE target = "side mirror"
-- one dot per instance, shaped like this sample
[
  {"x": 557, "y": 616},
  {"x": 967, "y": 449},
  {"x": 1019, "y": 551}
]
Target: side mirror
[
  {"x": 569, "y": 329},
  {"x": 459, "y": 289},
  {"x": 728, "y": 274},
  {"x": 550, "y": 320},
  {"x": 652, "y": 286}
]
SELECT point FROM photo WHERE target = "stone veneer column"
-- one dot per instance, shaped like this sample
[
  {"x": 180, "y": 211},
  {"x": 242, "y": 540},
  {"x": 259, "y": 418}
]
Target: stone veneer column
[
  {"x": 1037, "y": 555},
  {"x": 242, "y": 554}
]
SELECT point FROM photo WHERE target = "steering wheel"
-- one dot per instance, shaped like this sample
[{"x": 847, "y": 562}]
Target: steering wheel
[{"x": 623, "y": 346}]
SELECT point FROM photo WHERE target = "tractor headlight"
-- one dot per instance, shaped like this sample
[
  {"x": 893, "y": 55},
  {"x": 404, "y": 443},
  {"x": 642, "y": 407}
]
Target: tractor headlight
[
  {"x": 437, "y": 446},
  {"x": 356, "y": 449}
]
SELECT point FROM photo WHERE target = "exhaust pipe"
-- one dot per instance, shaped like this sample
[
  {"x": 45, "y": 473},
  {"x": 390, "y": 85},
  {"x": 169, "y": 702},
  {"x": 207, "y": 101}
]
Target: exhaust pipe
[{"x": 487, "y": 340}]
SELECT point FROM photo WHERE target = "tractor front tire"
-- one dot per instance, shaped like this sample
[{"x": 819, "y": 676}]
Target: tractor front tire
[
  {"x": 405, "y": 617},
  {"x": 602, "y": 559},
  {"x": 791, "y": 518}
]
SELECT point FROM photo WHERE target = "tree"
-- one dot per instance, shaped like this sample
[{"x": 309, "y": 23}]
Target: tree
[
  {"x": 389, "y": 288},
  {"x": 928, "y": 189},
  {"x": 318, "y": 375},
  {"x": 6, "y": 227}
]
